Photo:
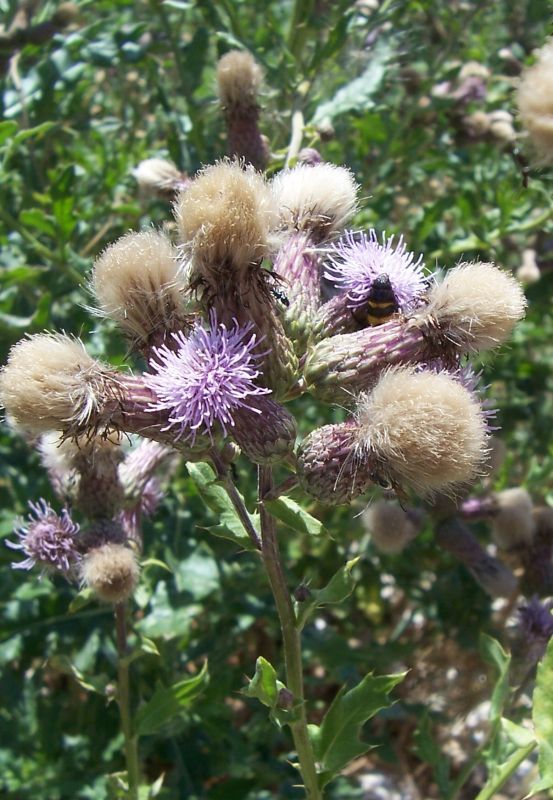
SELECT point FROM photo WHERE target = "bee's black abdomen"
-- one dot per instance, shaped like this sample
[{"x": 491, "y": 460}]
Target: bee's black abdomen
[{"x": 381, "y": 302}]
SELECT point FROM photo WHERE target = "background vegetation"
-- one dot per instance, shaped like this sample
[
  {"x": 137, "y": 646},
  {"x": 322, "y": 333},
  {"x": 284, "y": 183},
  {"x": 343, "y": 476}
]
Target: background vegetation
[{"x": 376, "y": 82}]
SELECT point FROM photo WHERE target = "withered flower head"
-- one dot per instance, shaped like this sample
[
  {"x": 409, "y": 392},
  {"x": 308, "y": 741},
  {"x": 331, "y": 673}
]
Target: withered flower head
[
  {"x": 476, "y": 306},
  {"x": 225, "y": 220},
  {"x": 320, "y": 199},
  {"x": 535, "y": 103},
  {"x": 239, "y": 77},
  {"x": 51, "y": 383},
  {"x": 425, "y": 430},
  {"x": 111, "y": 571},
  {"x": 137, "y": 283}
]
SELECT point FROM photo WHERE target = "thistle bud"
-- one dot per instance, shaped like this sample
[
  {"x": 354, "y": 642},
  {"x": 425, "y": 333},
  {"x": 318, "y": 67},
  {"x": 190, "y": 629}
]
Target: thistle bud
[
  {"x": 51, "y": 383},
  {"x": 535, "y": 103},
  {"x": 391, "y": 528},
  {"x": 225, "y": 219},
  {"x": 513, "y": 524},
  {"x": 420, "y": 430},
  {"x": 137, "y": 284},
  {"x": 264, "y": 430},
  {"x": 160, "y": 177},
  {"x": 111, "y": 571},
  {"x": 475, "y": 307},
  {"x": 238, "y": 80}
]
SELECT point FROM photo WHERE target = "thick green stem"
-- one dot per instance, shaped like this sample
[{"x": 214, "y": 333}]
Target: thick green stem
[
  {"x": 123, "y": 696},
  {"x": 505, "y": 772},
  {"x": 290, "y": 636}
]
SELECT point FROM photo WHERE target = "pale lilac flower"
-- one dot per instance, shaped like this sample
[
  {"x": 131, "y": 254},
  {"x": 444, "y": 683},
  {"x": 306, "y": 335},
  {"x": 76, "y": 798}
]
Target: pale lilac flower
[
  {"x": 205, "y": 377},
  {"x": 48, "y": 539},
  {"x": 358, "y": 259}
]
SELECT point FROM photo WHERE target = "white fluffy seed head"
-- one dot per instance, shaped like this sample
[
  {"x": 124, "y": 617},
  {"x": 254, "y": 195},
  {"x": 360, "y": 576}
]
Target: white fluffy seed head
[
  {"x": 111, "y": 571},
  {"x": 321, "y": 199},
  {"x": 158, "y": 175},
  {"x": 226, "y": 218},
  {"x": 239, "y": 77},
  {"x": 390, "y": 527},
  {"x": 424, "y": 430},
  {"x": 137, "y": 284},
  {"x": 476, "y": 305},
  {"x": 535, "y": 103},
  {"x": 513, "y": 525},
  {"x": 51, "y": 383}
]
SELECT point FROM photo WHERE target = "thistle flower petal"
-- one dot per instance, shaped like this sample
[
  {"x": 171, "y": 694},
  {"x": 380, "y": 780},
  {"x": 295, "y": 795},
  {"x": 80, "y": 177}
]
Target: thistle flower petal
[{"x": 205, "y": 378}]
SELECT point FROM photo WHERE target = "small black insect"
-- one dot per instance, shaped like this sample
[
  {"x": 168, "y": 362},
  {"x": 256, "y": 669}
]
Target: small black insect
[
  {"x": 281, "y": 297},
  {"x": 381, "y": 303}
]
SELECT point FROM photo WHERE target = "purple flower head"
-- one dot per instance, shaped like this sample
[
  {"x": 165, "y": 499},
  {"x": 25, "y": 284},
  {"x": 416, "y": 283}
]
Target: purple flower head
[
  {"x": 48, "y": 539},
  {"x": 208, "y": 375},
  {"x": 357, "y": 259},
  {"x": 537, "y": 621}
]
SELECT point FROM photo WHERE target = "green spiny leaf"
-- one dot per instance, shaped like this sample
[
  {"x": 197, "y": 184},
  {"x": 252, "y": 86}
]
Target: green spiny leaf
[
  {"x": 336, "y": 742},
  {"x": 166, "y": 703}
]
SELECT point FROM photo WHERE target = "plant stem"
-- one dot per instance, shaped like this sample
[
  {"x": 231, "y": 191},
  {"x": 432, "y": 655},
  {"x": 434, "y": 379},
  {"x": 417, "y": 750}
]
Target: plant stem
[
  {"x": 290, "y": 635},
  {"x": 123, "y": 695},
  {"x": 223, "y": 475},
  {"x": 505, "y": 772}
]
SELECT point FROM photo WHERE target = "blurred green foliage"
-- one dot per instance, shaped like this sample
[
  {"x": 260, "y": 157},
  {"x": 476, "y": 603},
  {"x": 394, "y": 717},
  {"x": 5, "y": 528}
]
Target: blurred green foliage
[{"x": 130, "y": 80}]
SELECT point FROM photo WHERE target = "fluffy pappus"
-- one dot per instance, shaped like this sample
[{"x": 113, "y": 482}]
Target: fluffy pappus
[
  {"x": 51, "y": 383},
  {"x": 138, "y": 284}
]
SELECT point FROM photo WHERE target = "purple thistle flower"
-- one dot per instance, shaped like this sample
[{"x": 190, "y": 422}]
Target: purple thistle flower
[
  {"x": 357, "y": 259},
  {"x": 206, "y": 377},
  {"x": 48, "y": 539}
]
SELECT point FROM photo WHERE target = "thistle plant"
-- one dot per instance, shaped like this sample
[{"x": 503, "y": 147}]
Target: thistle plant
[
  {"x": 221, "y": 363},
  {"x": 225, "y": 326}
]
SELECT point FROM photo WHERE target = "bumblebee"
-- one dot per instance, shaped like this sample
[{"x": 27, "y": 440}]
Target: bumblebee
[{"x": 381, "y": 303}]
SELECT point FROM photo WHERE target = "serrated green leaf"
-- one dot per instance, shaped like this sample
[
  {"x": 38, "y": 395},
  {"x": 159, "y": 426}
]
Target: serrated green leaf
[
  {"x": 167, "y": 703},
  {"x": 495, "y": 655},
  {"x": 264, "y": 684},
  {"x": 358, "y": 94},
  {"x": 216, "y": 498},
  {"x": 542, "y": 717},
  {"x": 336, "y": 742},
  {"x": 339, "y": 587},
  {"x": 292, "y": 514}
]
